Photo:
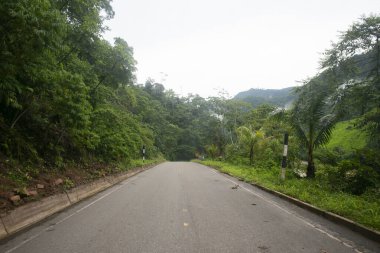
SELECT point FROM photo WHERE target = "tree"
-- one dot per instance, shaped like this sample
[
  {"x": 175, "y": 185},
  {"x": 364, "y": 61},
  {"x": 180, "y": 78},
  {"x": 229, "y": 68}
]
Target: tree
[
  {"x": 249, "y": 137},
  {"x": 29, "y": 31},
  {"x": 114, "y": 65},
  {"x": 355, "y": 62},
  {"x": 313, "y": 118},
  {"x": 64, "y": 90}
]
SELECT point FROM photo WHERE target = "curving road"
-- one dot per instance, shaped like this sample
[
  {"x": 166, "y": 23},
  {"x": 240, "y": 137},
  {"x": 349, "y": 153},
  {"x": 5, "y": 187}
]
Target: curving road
[{"x": 186, "y": 207}]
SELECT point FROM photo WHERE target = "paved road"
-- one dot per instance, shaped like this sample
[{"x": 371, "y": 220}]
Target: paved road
[{"x": 186, "y": 207}]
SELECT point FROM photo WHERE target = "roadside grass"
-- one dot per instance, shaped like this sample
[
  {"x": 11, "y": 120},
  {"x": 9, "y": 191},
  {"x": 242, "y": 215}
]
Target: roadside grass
[
  {"x": 363, "y": 209},
  {"x": 345, "y": 136},
  {"x": 139, "y": 163}
]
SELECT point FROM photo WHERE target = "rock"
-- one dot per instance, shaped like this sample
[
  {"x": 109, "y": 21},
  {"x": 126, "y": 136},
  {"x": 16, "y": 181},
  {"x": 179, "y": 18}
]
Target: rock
[
  {"x": 58, "y": 181},
  {"x": 15, "y": 199},
  {"x": 23, "y": 192},
  {"x": 32, "y": 193},
  {"x": 40, "y": 186}
]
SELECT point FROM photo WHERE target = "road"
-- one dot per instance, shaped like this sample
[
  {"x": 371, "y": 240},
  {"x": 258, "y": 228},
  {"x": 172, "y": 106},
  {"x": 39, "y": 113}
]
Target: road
[{"x": 186, "y": 207}]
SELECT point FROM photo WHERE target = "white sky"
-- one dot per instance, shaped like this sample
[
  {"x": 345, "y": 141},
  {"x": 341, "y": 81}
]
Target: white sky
[{"x": 202, "y": 46}]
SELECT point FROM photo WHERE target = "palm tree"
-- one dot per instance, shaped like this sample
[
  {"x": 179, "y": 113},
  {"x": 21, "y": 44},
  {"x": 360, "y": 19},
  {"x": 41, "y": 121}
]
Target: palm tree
[
  {"x": 313, "y": 118},
  {"x": 249, "y": 137},
  {"x": 212, "y": 151}
]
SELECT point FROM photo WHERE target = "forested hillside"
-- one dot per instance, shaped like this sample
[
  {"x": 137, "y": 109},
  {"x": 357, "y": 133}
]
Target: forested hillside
[
  {"x": 69, "y": 99},
  {"x": 278, "y": 97},
  {"x": 67, "y": 94}
]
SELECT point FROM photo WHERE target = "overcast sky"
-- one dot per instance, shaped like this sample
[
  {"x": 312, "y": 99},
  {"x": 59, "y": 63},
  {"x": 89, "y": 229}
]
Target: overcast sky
[{"x": 204, "y": 46}]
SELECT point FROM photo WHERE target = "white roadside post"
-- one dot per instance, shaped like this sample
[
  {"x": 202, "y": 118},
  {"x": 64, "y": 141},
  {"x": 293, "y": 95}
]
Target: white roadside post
[
  {"x": 284, "y": 156},
  {"x": 143, "y": 152}
]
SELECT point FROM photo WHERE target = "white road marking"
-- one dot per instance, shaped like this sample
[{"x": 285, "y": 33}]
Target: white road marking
[
  {"x": 288, "y": 212},
  {"x": 25, "y": 241},
  {"x": 68, "y": 217}
]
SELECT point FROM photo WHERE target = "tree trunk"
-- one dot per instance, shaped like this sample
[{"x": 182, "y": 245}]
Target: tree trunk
[
  {"x": 310, "y": 173},
  {"x": 251, "y": 155}
]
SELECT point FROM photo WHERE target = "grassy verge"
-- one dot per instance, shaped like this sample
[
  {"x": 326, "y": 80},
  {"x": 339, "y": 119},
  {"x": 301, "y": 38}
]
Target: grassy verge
[
  {"x": 140, "y": 163},
  {"x": 363, "y": 209}
]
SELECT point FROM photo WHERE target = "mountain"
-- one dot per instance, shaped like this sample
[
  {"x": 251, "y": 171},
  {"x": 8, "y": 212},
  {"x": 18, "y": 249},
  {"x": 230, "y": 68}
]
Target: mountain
[{"x": 279, "y": 97}]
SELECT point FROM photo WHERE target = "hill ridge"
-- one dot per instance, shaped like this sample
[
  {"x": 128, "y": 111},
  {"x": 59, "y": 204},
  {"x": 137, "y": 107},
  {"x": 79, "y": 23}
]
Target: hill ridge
[{"x": 279, "y": 97}]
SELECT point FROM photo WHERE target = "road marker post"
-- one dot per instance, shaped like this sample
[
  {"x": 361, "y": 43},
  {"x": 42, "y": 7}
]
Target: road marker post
[
  {"x": 143, "y": 153},
  {"x": 284, "y": 156}
]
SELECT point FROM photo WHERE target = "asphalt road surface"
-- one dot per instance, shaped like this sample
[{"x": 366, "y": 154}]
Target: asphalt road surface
[{"x": 186, "y": 207}]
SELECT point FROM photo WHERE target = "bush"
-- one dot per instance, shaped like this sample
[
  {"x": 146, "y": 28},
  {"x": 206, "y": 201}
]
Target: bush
[
  {"x": 327, "y": 156},
  {"x": 352, "y": 177},
  {"x": 212, "y": 151},
  {"x": 269, "y": 153},
  {"x": 369, "y": 157},
  {"x": 235, "y": 155}
]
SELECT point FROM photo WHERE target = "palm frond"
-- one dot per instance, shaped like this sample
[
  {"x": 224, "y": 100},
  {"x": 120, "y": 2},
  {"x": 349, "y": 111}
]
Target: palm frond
[{"x": 327, "y": 124}]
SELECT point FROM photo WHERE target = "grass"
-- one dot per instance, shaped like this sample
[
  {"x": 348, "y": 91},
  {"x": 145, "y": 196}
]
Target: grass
[
  {"x": 347, "y": 137},
  {"x": 140, "y": 162},
  {"x": 364, "y": 210}
]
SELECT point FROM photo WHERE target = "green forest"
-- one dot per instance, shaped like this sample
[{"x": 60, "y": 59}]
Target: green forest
[{"x": 70, "y": 102}]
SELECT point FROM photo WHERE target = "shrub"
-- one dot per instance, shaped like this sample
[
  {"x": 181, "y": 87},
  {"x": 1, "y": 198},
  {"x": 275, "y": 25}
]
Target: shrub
[
  {"x": 212, "y": 150},
  {"x": 327, "y": 156},
  {"x": 235, "y": 155},
  {"x": 352, "y": 177}
]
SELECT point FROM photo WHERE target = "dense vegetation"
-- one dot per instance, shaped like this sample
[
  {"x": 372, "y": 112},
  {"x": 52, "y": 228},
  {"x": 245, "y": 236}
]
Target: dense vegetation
[
  {"x": 334, "y": 132},
  {"x": 69, "y": 98},
  {"x": 66, "y": 94}
]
